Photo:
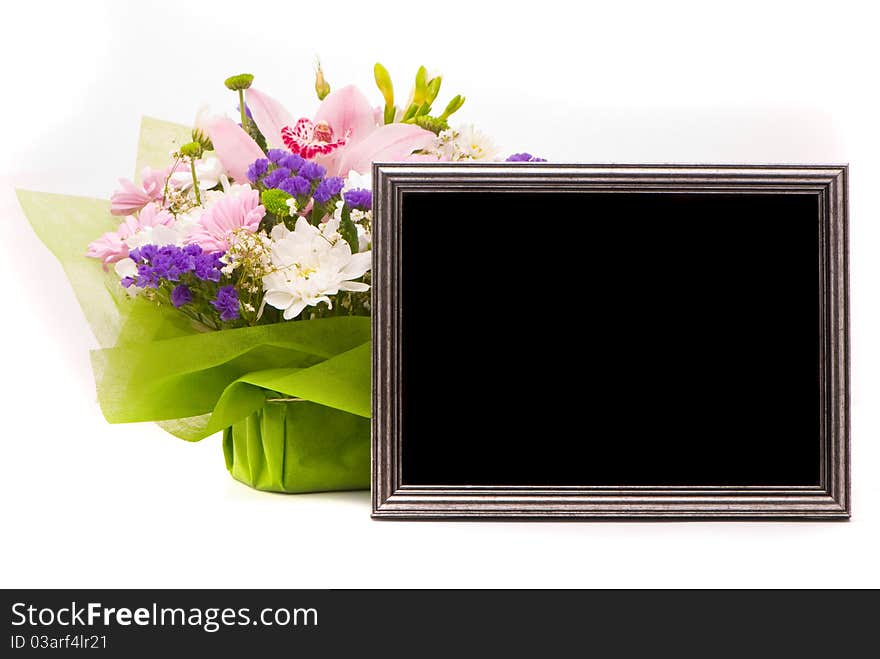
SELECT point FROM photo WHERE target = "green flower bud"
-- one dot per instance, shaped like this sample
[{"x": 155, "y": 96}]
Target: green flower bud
[
  {"x": 420, "y": 95},
  {"x": 410, "y": 113},
  {"x": 200, "y": 136},
  {"x": 433, "y": 124},
  {"x": 433, "y": 89},
  {"x": 383, "y": 82},
  {"x": 453, "y": 106},
  {"x": 322, "y": 87},
  {"x": 191, "y": 150},
  {"x": 275, "y": 202},
  {"x": 239, "y": 82}
]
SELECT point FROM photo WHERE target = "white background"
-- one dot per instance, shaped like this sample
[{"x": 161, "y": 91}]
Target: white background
[{"x": 83, "y": 503}]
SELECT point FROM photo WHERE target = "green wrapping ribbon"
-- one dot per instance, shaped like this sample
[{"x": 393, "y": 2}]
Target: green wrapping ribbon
[{"x": 154, "y": 365}]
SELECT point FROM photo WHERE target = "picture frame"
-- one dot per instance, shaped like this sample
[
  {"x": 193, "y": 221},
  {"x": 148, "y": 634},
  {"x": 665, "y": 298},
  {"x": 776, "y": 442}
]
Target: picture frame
[{"x": 826, "y": 498}]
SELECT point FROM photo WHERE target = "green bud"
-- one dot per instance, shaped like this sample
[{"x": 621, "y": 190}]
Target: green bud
[
  {"x": 322, "y": 87},
  {"x": 383, "y": 82},
  {"x": 424, "y": 109},
  {"x": 453, "y": 106},
  {"x": 433, "y": 89},
  {"x": 410, "y": 113},
  {"x": 390, "y": 111},
  {"x": 239, "y": 82},
  {"x": 275, "y": 202},
  {"x": 191, "y": 150},
  {"x": 420, "y": 94},
  {"x": 433, "y": 124},
  {"x": 202, "y": 138}
]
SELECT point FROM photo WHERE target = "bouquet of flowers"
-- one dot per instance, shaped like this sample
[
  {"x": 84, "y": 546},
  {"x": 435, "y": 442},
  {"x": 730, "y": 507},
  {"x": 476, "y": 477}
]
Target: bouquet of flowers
[{"x": 232, "y": 291}]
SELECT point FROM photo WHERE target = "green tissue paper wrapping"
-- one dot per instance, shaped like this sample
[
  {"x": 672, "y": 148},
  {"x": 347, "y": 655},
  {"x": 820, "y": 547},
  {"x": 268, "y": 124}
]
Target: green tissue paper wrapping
[{"x": 292, "y": 399}]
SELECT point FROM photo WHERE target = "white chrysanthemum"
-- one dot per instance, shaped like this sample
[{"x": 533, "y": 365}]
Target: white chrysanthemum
[
  {"x": 311, "y": 264},
  {"x": 472, "y": 144}
]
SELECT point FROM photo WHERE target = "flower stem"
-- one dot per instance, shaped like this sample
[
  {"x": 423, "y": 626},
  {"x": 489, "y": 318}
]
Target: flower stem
[
  {"x": 241, "y": 107},
  {"x": 192, "y": 168}
]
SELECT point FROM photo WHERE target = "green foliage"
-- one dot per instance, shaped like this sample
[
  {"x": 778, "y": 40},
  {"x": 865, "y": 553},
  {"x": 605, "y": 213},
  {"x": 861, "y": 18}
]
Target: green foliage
[
  {"x": 239, "y": 82},
  {"x": 348, "y": 230}
]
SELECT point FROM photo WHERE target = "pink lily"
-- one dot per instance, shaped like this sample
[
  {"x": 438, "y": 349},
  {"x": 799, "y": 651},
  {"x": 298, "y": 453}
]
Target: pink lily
[
  {"x": 345, "y": 134},
  {"x": 233, "y": 146},
  {"x": 269, "y": 115}
]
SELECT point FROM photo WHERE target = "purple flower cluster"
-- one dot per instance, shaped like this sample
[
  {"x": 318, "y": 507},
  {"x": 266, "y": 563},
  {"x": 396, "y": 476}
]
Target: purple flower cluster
[
  {"x": 170, "y": 263},
  {"x": 329, "y": 187},
  {"x": 296, "y": 186},
  {"x": 312, "y": 171},
  {"x": 359, "y": 198},
  {"x": 226, "y": 303},
  {"x": 181, "y": 295},
  {"x": 525, "y": 157},
  {"x": 294, "y": 175}
]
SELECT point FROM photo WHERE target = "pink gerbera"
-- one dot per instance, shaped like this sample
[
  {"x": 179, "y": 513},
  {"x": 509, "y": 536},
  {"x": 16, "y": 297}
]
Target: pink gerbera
[
  {"x": 309, "y": 139},
  {"x": 232, "y": 212},
  {"x": 131, "y": 198},
  {"x": 112, "y": 246}
]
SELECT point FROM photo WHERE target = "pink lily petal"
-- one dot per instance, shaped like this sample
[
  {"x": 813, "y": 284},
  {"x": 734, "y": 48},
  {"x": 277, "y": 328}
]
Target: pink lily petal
[
  {"x": 393, "y": 142},
  {"x": 349, "y": 114},
  {"x": 269, "y": 115},
  {"x": 424, "y": 157},
  {"x": 234, "y": 147}
]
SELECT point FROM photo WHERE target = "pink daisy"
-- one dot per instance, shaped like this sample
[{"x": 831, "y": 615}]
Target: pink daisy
[{"x": 233, "y": 211}]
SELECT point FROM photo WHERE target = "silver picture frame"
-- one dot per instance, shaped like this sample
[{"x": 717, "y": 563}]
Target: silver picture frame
[{"x": 393, "y": 499}]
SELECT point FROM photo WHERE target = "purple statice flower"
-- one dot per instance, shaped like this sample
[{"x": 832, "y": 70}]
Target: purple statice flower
[
  {"x": 329, "y": 187},
  {"x": 257, "y": 169},
  {"x": 170, "y": 262},
  {"x": 146, "y": 277},
  {"x": 143, "y": 254},
  {"x": 312, "y": 170},
  {"x": 181, "y": 295},
  {"x": 275, "y": 155},
  {"x": 127, "y": 281},
  {"x": 292, "y": 161},
  {"x": 358, "y": 198},
  {"x": 525, "y": 157},
  {"x": 192, "y": 250},
  {"x": 207, "y": 266},
  {"x": 273, "y": 179},
  {"x": 226, "y": 303},
  {"x": 296, "y": 186}
]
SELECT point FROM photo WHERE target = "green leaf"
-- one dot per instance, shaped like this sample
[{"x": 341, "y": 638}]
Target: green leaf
[{"x": 348, "y": 230}]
